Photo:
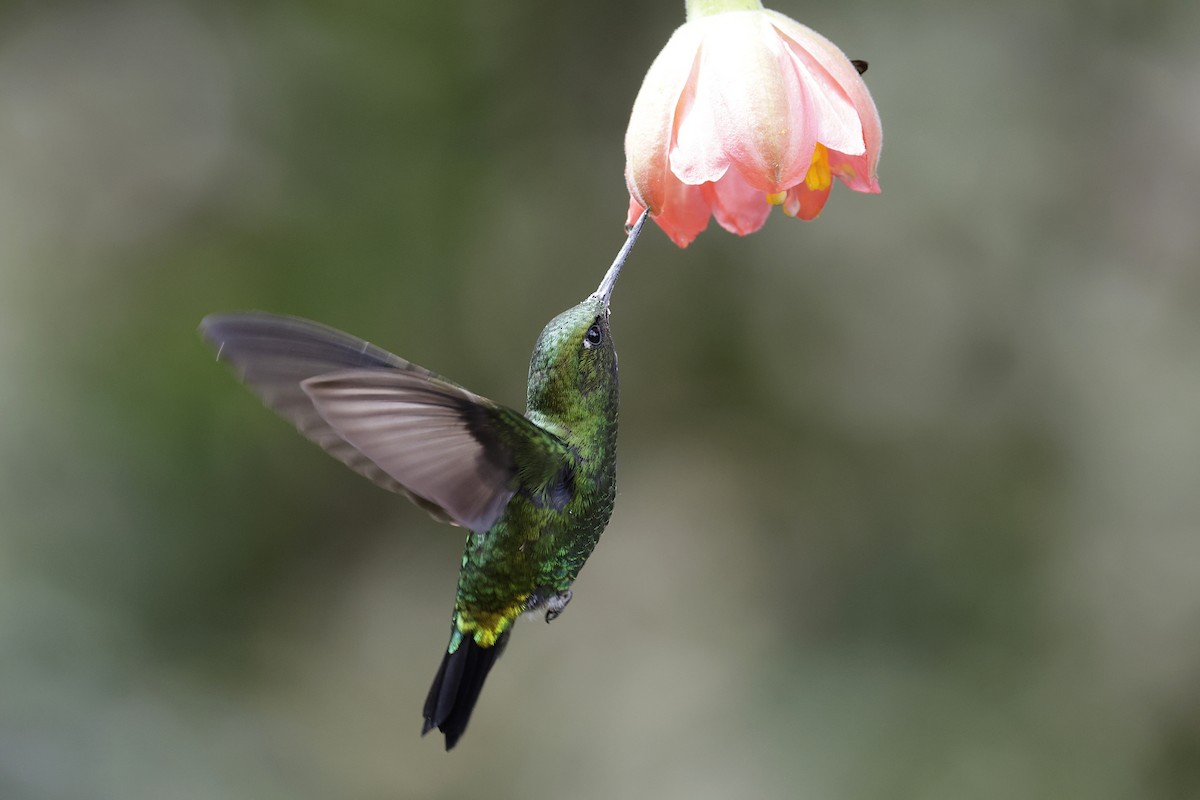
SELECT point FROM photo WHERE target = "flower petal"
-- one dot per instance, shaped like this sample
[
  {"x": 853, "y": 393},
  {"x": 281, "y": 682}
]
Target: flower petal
[
  {"x": 697, "y": 153},
  {"x": 759, "y": 105},
  {"x": 805, "y": 203},
  {"x": 837, "y": 123},
  {"x": 842, "y": 71},
  {"x": 652, "y": 121},
  {"x": 736, "y": 205},
  {"x": 685, "y": 213},
  {"x": 635, "y": 211},
  {"x": 854, "y": 171}
]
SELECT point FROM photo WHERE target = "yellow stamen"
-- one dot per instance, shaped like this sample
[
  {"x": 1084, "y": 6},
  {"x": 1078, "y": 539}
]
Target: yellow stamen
[
  {"x": 777, "y": 198},
  {"x": 819, "y": 178}
]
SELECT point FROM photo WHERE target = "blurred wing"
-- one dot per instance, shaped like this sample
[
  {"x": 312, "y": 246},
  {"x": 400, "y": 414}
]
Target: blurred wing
[{"x": 410, "y": 431}]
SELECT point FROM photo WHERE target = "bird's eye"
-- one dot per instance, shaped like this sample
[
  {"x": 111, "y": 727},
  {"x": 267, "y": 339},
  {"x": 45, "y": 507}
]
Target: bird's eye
[{"x": 594, "y": 335}]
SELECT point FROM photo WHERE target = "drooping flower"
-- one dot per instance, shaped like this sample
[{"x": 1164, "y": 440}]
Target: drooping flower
[{"x": 745, "y": 109}]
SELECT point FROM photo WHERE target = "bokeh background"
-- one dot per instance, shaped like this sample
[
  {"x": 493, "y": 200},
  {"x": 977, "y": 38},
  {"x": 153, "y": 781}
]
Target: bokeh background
[{"x": 909, "y": 496}]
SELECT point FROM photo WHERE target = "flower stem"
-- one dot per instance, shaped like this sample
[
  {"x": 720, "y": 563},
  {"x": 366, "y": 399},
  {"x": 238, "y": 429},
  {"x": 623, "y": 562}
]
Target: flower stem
[{"x": 706, "y": 8}]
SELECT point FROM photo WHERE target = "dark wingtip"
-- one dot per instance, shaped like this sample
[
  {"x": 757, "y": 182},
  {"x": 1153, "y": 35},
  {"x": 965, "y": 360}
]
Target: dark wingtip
[{"x": 456, "y": 688}]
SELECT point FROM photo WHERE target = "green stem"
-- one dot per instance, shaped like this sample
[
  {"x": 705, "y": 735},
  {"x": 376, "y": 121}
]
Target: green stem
[{"x": 706, "y": 8}]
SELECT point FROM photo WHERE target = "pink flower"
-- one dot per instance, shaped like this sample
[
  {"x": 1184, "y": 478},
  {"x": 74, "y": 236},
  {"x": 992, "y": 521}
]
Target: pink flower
[{"x": 742, "y": 110}]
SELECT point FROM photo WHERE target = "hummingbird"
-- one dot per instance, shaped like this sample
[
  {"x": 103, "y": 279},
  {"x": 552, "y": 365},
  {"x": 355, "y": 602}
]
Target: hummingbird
[{"x": 534, "y": 491}]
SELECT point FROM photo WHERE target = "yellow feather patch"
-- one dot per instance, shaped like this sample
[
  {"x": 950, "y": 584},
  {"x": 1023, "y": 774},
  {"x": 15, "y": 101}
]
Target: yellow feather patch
[{"x": 486, "y": 627}]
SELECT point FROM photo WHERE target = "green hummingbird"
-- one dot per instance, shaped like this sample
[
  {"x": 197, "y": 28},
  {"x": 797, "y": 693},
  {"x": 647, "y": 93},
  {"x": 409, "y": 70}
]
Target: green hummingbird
[{"x": 534, "y": 491}]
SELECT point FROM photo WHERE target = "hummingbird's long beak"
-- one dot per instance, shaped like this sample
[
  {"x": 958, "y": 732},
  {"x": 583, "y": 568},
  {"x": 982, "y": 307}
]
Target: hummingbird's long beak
[{"x": 610, "y": 278}]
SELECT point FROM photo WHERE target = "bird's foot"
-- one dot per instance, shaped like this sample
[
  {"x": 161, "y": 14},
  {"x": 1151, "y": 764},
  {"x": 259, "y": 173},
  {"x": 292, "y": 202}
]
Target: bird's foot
[{"x": 555, "y": 605}]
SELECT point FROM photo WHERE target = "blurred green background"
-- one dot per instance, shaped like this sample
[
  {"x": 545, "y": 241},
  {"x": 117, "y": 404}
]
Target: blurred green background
[{"x": 909, "y": 496}]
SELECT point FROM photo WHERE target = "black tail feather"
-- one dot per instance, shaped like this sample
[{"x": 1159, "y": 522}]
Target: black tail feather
[{"x": 456, "y": 687}]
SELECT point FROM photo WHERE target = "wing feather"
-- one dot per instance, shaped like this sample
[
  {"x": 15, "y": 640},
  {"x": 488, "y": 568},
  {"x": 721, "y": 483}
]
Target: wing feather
[
  {"x": 456, "y": 454},
  {"x": 419, "y": 431}
]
